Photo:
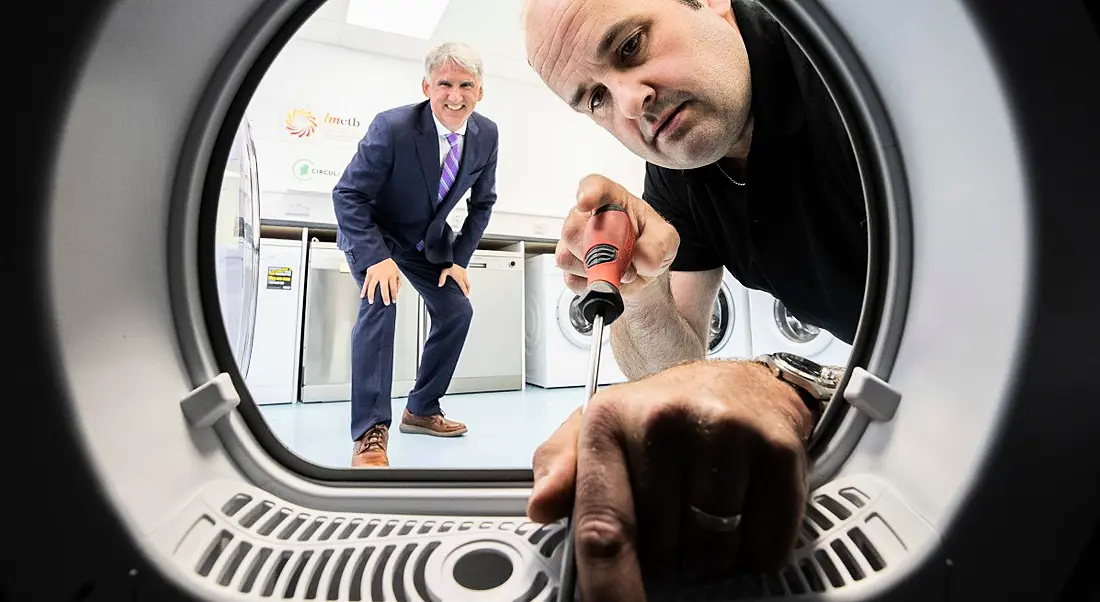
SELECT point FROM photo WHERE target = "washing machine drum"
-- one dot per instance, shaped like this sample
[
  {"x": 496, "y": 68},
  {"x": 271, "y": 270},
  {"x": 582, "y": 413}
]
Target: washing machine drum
[
  {"x": 572, "y": 323},
  {"x": 722, "y": 320},
  {"x": 792, "y": 328}
]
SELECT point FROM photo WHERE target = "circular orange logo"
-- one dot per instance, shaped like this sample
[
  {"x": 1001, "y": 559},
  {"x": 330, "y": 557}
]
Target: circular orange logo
[{"x": 300, "y": 123}]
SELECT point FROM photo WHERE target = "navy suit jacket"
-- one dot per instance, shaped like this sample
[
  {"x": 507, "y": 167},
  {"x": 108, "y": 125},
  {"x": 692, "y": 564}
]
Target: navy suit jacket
[{"x": 385, "y": 199}]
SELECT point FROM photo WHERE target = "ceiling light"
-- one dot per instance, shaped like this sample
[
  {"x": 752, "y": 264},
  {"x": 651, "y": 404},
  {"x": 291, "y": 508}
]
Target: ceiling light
[{"x": 417, "y": 19}]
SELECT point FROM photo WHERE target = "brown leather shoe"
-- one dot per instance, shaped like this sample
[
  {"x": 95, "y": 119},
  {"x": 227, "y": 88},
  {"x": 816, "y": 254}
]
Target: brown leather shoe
[
  {"x": 370, "y": 449},
  {"x": 437, "y": 425}
]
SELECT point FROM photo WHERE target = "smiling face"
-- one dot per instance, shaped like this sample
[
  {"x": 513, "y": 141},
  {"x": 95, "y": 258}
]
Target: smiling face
[
  {"x": 668, "y": 79},
  {"x": 453, "y": 92}
]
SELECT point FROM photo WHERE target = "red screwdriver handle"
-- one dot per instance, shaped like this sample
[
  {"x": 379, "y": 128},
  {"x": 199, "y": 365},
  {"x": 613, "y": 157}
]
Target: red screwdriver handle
[
  {"x": 608, "y": 245},
  {"x": 608, "y": 251}
]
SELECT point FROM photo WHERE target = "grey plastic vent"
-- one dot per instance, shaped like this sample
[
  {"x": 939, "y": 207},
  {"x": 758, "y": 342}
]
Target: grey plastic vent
[{"x": 248, "y": 545}]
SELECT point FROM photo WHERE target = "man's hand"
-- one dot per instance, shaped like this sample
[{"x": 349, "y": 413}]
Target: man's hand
[
  {"x": 458, "y": 274},
  {"x": 385, "y": 276},
  {"x": 724, "y": 437},
  {"x": 654, "y": 248}
]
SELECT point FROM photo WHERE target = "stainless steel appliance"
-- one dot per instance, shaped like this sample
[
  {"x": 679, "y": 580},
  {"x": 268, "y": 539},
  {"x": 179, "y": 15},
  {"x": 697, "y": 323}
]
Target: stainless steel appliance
[
  {"x": 332, "y": 304},
  {"x": 493, "y": 357}
]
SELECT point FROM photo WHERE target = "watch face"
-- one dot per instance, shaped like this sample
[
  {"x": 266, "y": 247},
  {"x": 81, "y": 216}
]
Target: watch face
[{"x": 801, "y": 365}]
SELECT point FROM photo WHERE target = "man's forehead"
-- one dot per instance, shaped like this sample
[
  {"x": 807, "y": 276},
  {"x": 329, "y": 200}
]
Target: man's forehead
[
  {"x": 452, "y": 72},
  {"x": 564, "y": 37}
]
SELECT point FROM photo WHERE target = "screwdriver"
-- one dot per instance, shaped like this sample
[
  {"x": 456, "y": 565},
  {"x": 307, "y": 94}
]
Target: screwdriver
[{"x": 609, "y": 247}]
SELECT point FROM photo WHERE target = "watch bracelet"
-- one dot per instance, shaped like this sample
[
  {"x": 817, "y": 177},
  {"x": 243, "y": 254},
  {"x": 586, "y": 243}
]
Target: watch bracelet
[{"x": 815, "y": 406}]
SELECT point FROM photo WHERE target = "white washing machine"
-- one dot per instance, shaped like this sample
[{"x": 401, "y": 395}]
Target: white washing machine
[
  {"x": 730, "y": 330},
  {"x": 774, "y": 329},
  {"x": 558, "y": 338}
]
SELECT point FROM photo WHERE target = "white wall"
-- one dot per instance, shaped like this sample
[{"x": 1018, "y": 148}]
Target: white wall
[{"x": 545, "y": 147}]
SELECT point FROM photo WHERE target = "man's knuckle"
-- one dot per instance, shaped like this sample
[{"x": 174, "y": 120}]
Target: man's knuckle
[
  {"x": 727, "y": 427},
  {"x": 601, "y": 533},
  {"x": 669, "y": 244},
  {"x": 573, "y": 225},
  {"x": 785, "y": 450},
  {"x": 602, "y": 410},
  {"x": 665, "y": 415},
  {"x": 544, "y": 453}
]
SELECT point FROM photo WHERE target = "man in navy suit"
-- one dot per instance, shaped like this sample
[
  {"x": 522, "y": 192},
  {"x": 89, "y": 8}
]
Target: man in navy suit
[{"x": 412, "y": 167}]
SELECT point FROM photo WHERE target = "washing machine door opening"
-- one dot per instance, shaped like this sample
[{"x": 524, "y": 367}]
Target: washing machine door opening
[{"x": 881, "y": 187}]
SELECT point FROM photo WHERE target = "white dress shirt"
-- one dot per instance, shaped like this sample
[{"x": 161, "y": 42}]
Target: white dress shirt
[{"x": 444, "y": 146}]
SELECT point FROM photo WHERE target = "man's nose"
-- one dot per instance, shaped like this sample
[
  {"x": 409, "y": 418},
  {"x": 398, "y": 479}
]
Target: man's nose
[{"x": 631, "y": 96}]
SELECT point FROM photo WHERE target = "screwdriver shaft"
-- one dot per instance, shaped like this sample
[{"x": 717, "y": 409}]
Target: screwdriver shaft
[
  {"x": 593, "y": 360},
  {"x": 568, "y": 581}
]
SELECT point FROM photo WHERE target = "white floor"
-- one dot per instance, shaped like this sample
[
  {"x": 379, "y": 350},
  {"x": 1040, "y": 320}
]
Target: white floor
[{"x": 504, "y": 429}]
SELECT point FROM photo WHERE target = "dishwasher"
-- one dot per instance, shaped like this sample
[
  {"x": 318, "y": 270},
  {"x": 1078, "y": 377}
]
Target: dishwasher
[
  {"x": 332, "y": 305},
  {"x": 493, "y": 357}
]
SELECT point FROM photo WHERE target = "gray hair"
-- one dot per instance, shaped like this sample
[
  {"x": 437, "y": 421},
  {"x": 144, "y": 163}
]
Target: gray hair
[{"x": 456, "y": 52}]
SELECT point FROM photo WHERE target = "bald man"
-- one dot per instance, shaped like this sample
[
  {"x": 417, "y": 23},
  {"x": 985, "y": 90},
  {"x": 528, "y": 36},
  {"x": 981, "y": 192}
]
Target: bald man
[{"x": 699, "y": 464}]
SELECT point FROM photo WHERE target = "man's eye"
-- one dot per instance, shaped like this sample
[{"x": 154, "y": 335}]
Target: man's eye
[
  {"x": 630, "y": 47},
  {"x": 596, "y": 99}
]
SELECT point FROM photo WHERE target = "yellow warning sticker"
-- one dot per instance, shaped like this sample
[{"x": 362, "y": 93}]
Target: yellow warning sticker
[{"x": 279, "y": 278}]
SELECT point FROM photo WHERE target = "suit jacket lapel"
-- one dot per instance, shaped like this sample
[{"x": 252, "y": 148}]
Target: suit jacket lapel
[
  {"x": 427, "y": 147},
  {"x": 469, "y": 150}
]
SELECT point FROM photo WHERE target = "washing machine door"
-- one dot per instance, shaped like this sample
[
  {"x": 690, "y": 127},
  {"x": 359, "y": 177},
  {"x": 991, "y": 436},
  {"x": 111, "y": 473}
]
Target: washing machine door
[
  {"x": 572, "y": 323},
  {"x": 722, "y": 320}
]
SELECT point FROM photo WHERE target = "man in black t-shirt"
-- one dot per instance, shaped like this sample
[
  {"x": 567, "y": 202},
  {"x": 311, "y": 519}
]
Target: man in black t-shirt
[{"x": 697, "y": 464}]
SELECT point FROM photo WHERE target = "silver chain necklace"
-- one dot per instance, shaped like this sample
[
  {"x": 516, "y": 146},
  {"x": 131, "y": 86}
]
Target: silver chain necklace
[{"x": 728, "y": 177}]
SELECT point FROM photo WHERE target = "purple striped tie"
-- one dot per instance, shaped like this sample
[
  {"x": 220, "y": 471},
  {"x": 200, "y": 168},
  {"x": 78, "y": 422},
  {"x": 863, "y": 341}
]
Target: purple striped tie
[
  {"x": 450, "y": 168},
  {"x": 447, "y": 178}
]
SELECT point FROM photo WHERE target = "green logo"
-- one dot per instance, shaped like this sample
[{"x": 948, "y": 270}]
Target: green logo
[{"x": 303, "y": 169}]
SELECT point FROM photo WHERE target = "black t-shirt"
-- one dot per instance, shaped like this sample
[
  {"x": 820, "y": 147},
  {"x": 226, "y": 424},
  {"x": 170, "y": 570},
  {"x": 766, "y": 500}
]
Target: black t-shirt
[{"x": 797, "y": 229}]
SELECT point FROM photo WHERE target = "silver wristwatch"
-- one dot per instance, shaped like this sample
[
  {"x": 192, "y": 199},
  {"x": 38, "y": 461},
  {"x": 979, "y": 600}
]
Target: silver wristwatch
[{"x": 815, "y": 383}]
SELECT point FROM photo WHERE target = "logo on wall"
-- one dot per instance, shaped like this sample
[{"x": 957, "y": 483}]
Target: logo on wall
[
  {"x": 305, "y": 123},
  {"x": 301, "y": 123},
  {"x": 305, "y": 170}
]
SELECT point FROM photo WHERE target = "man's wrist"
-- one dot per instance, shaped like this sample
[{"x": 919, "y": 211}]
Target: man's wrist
[
  {"x": 803, "y": 410},
  {"x": 655, "y": 293}
]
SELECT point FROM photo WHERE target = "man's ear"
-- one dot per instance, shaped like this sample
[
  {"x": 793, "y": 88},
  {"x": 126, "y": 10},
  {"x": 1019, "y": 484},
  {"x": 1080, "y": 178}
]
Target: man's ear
[
  {"x": 424, "y": 86},
  {"x": 724, "y": 9},
  {"x": 480, "y": 92}
]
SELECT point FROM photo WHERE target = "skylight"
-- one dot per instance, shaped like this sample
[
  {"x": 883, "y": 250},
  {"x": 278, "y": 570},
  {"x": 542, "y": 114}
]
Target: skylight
[{"x": 416, "y": 18}]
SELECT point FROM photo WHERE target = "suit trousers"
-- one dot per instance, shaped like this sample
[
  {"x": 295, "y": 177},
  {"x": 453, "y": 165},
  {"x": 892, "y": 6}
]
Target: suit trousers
[{"x": 372, "y": 345}]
